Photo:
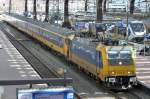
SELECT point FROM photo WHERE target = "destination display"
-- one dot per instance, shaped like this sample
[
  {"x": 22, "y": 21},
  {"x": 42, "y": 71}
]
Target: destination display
[{"x": 48, "y": 93}]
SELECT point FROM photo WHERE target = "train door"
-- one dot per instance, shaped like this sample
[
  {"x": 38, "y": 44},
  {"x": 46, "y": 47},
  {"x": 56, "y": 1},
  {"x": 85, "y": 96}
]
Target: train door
[{"x": 99, "y": 62}]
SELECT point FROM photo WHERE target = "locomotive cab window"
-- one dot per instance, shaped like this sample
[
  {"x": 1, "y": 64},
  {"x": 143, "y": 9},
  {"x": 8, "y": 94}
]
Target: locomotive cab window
[
  {"x": 137, "y": 27},
  {"x": 112, "y": 55},
  {"x": 125, "y": 55},
  {"x": 120, "y": 58}
]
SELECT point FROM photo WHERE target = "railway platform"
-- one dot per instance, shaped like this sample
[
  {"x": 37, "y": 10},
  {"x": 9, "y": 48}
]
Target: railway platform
[
  {"x": 143, "y": 68},
  {"x": 13, "y": 66}
]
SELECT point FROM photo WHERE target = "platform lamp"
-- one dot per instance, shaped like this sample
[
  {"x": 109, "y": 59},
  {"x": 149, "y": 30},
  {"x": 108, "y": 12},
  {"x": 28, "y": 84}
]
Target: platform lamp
[
  {"x": 127, "y": 29},
  {"x": 144, "y": 45},
  {"x": 58, "y": 11},
  {"x": 145, "y": 33},
  {"x": 4, "y": 9},
  {"x": 65, "y": 72},
  {"x": 10, "y": 5}
]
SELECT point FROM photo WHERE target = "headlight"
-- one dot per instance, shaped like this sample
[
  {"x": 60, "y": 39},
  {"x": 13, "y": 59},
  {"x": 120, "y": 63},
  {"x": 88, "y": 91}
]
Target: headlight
[
  {"x": 112, "y": 73},
  {"x": 112, "y": 80},
  {"x": 133, "y": 79},
  {"x": 129, "y": 72}
]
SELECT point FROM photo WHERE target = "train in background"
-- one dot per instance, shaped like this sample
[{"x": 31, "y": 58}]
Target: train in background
[
  {"x": 113, "y": 29},
  {"x": 136, "y": 30},
  {"x": 114, "y": 65}
]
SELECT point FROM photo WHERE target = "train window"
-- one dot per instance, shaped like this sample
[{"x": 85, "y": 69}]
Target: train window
[
  {"x": 119, "y": 54},
  {"x": 137, "y": 27},
  {"x": 55, "y": 39},
  {"x": 125, "y": 55},
  {"x": 120, "y": 58},
  {"x": 40, "y": 32},
  {"x": 113, "y": 54}
]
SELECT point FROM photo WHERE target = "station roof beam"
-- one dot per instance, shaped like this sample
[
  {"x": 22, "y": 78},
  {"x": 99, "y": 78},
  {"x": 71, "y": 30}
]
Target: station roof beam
[
  {"x": 26, "y": 7},
  {"x": 86, "y": 5},
  {"x": 10, "y": 5},
  {"x": 99, "y": 17},
  {"x": 47, "y": 11},
  {"x": 34, "y": 10},
  {"x": 104, "y": 6},
  {"x": 66, "y": 22},
  {"x": 132, "y": 6}
]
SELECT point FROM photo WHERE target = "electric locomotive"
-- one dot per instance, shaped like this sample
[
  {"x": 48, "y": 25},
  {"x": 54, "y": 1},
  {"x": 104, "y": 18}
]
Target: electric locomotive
[{"x": 114, "y": 65}]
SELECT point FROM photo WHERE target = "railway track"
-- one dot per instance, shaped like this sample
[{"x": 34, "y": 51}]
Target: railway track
[
  {"x": 134, "y": 93},
  {"x": 40, "y": 67},
  {"x": 127, "y": 95},
  {"x": 52, "y": 72}
]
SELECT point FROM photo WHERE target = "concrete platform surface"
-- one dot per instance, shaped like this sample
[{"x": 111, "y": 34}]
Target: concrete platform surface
[
  {"x": 13, "y": 66},
  {"x": 143, "y": 69}
]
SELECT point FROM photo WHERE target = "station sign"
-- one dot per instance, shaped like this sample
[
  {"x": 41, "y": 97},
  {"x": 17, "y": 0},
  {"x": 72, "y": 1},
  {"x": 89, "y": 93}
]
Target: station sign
[
  {"x": 147, "y": 37},
  {"x": 46, "y": 93},
  {"x": 81, "y": 25}
]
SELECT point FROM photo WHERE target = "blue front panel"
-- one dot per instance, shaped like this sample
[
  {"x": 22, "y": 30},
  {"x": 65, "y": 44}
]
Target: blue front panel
[{"x": 99, "y": 59}]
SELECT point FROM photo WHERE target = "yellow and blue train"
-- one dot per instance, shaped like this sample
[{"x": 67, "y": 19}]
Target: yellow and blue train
[{"x": 114, "y": 65}]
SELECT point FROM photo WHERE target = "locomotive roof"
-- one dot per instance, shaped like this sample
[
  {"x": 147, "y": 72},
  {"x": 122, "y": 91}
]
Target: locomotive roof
[
  {"x": 90, "y": 42},
  {"x": 48, "y": 26}
]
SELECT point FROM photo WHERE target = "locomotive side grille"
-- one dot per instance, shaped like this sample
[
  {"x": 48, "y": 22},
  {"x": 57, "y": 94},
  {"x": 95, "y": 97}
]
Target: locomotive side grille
[{"x": 120, "y": 72}]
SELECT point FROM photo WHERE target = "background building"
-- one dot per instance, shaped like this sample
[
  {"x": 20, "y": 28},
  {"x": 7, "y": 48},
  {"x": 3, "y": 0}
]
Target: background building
[
  {"x": 74, "y": 5},
  {"x": 4, "y": 4}
]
